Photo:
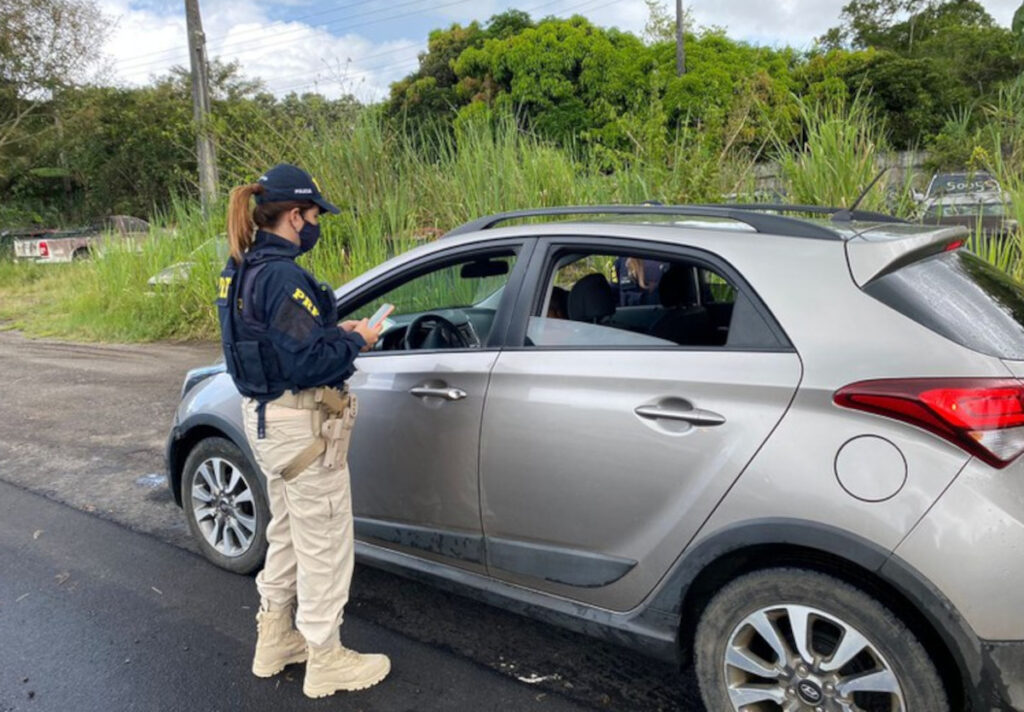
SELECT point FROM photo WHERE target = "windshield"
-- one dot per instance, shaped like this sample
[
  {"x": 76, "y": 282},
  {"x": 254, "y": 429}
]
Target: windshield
[{"x": 958, "y": 183}]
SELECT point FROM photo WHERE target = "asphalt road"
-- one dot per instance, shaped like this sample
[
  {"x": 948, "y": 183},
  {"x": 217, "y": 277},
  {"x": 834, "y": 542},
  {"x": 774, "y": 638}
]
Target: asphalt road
[
  {"x": 84, "y": 426},
  {"x": 95, "y": 617}
]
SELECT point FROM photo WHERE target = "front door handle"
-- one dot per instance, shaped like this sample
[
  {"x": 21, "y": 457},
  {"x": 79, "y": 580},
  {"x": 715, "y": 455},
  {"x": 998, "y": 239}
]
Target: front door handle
[
  {"x": 452, "y": 394},
  {"x": 695, "y": 416}
]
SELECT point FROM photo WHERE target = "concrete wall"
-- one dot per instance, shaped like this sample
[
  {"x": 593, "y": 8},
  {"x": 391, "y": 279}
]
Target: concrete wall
[{"x": 766, "y": 175}]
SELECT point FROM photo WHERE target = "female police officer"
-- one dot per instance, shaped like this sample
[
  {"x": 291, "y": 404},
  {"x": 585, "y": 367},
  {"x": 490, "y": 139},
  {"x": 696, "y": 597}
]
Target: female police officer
[{"x": 290, "y": 358}]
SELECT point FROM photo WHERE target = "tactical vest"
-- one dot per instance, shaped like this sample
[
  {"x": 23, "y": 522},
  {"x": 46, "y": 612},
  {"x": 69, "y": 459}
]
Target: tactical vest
[{"x": 248, "y": 353}]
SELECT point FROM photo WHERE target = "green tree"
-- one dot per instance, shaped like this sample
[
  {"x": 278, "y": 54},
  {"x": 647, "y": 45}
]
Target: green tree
[
  {"x": 928, "y": 59},
  {"x": 429, "y": 93},
  {"x": 740, "y": 93},
  {"x": 871, "y": 23},
  {"x": 565, "y": 76},
  {"x": 45, "y": 46}
]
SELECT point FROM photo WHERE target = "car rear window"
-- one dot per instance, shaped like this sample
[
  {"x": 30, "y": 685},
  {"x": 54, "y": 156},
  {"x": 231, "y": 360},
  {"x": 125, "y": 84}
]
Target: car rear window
[{"x": 962, "y": 297}]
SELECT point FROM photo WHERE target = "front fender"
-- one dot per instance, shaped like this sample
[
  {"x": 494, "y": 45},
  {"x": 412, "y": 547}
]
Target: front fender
[{"x": 210, "y": 409}]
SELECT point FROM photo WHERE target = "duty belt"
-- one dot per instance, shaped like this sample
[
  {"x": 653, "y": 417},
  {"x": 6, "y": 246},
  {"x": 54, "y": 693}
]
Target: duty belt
[{"x": 334, "y": 414}]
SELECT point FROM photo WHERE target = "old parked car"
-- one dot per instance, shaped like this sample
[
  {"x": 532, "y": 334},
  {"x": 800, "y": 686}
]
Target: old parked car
[
  {"x": 962, "y": 183},
  {"x": 801, "y": 467},
  {"x": 79, "y": 243},
  {"x": 985, "y": 213},
  {"x": 973, "y": 200},
  {"x": 216, "y": 248},
  {"x": 9, "y": 235}
]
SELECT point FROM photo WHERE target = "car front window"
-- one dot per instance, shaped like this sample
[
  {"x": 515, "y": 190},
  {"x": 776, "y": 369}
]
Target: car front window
[{"x": 457, "y": 301}]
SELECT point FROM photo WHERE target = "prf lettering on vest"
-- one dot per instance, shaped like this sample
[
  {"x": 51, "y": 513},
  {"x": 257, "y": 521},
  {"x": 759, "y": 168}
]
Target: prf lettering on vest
[
  {"x": 225, "y": 284},
  {"x": 305, "y": 301}
]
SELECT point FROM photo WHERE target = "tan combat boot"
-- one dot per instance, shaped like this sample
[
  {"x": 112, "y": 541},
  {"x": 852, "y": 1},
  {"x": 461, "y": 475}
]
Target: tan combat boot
[
  {"x": 334, "y": 667},
  {"x": 277, "y": 643}
]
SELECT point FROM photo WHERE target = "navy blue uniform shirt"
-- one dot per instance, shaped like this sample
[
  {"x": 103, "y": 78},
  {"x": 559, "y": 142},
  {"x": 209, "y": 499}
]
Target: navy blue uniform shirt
[{"x": 283, "y": 334}]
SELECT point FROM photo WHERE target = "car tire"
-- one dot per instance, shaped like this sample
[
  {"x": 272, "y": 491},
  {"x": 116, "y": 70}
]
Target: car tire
[
  {"x": 739, "y": 668},
  {"x": 225, "y": 505}
]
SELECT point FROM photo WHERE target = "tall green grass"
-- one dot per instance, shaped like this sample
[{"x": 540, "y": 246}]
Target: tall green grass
[
  {"x": 838, "y": 156},
  {"x": 999, "y": 148},
  {"x": 396, "y": 190},
  {"x": 107, "y": 298}
]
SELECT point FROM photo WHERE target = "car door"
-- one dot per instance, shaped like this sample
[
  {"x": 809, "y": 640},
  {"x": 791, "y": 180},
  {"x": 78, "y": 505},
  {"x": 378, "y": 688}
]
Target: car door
[
  {"x": 603, "y": 449},
  {"x": 414, "y": 459}
]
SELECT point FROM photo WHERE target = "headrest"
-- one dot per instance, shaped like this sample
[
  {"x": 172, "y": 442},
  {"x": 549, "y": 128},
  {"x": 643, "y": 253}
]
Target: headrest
[
  {"x": 591, "y": 299},
  {"x": 677, "y": 287}
]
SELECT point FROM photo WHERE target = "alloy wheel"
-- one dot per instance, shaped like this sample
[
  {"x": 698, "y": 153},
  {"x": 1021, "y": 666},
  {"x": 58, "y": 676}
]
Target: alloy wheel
[
  {"x": 223, "y": 506},
  {"x": 799, "y": 659}
]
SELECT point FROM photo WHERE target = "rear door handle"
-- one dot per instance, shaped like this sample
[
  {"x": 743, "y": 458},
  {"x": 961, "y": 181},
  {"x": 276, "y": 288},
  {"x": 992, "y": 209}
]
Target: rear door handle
[
  {"x": 695, "y": 416},
  {"x": 452, "y": 394}
]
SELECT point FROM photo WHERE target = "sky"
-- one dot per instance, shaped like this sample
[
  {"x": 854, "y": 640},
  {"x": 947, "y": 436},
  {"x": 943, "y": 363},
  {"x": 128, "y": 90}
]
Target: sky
[{"x": 361, "y": 46}]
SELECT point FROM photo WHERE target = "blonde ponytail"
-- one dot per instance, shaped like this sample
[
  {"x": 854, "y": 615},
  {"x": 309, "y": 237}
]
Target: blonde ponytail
[
  {"x": 635, "y": 267},
  {"x": 241, "y": 225}
]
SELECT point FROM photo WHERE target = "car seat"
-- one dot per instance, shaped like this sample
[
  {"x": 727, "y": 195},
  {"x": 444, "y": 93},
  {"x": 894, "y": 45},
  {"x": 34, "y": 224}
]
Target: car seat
[
  {"x": 592, "y": 299},
  {"x": 685, "y": 322}
]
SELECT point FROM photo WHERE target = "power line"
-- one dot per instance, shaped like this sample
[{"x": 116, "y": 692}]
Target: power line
[
  {"x": 333, "y": 10},
  {"x": 359, "y": 62},
  {"x": 278, "y": 41},
  {"x": 220, "y": 50}
]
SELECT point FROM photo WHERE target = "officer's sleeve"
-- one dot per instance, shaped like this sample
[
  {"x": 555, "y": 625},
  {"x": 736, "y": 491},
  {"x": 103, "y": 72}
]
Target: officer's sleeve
[{"x": 311, "y": 349}]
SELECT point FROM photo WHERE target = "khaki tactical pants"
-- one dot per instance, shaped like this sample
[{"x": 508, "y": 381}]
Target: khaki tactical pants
[{"x": 311, "y": 555}]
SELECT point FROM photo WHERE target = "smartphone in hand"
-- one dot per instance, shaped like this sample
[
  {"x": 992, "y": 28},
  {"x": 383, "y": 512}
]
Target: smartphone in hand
[{"x": 381, "y": 314}]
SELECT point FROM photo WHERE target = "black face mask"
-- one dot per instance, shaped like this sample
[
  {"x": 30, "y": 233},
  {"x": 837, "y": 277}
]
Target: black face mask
[{"x": 308, "y": 236}]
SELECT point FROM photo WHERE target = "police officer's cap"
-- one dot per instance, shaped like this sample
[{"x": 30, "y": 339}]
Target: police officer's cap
[{"x": 285, "y": 182}]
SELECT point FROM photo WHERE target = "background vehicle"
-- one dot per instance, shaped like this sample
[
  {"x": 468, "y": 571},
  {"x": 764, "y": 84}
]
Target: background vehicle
[
  {"x": 799, "y": 465},
  {"x": 974, "y": 200},
  {"x": 78, "y": 243},
  {"x": 8, "y": 236},
  {"x": 963, "y": 183},
  {"x": 215, "y": 248},
  {"x": 987, "y": 213}
]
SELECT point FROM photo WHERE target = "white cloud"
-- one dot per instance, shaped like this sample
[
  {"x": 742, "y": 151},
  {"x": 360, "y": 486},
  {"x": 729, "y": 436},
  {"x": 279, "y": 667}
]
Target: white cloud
[
  {"x": 287, "y": 56},
  {"x": 306, "y": 54}
]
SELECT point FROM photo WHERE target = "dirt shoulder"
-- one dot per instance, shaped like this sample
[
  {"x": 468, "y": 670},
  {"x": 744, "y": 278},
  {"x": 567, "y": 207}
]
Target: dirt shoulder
[{"x": 86, "y": 425}]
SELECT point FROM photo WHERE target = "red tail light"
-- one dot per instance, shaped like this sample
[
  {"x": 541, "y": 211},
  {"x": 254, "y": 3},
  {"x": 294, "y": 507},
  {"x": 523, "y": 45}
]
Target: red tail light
[
  {"x": 44, "y": 249},
  {"x": 984, "y": 416}
]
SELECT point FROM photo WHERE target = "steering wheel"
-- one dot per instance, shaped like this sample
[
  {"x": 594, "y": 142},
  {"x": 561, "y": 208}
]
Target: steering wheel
[{"x": 440, "y": 333}]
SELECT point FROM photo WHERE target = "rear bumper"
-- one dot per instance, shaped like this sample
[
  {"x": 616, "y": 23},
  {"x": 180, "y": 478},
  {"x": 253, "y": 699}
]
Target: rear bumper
[{"x": 969, "y": 547}]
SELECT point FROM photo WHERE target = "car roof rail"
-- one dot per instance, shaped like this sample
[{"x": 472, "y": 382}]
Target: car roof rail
[
  {"x": 838, "y": 214},
  {"x": 758, "y": 216}
]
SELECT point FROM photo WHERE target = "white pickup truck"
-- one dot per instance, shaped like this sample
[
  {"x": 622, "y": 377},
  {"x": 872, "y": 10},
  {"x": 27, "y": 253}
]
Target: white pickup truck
[{"x": 78, "y": 243}]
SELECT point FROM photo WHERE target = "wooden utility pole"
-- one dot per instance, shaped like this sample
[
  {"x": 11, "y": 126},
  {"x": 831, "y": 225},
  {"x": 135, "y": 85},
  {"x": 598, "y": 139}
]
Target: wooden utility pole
[
  {"x": 680, "y": 47},
  {"x": 205, "y": 153}
]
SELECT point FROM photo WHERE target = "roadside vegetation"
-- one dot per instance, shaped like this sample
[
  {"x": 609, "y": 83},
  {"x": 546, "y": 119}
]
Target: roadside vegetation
[{"x": 494, "y": 120}]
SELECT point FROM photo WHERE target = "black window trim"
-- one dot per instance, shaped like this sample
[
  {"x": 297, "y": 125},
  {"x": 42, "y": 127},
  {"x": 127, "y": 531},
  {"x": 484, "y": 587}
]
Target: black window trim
[
  {"x": 543, "y": 260},
  {"x": 523, "y": 247}
]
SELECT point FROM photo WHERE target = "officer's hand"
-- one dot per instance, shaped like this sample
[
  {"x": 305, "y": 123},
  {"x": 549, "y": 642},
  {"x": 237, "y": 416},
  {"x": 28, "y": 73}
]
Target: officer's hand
[
  {"x": 348, "y": 325},
  {"x": 369, "y": 333}
]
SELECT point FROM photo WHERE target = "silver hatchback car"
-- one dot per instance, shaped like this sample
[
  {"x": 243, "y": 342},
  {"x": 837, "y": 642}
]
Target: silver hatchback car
[{"x": 787, "y": 448}]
